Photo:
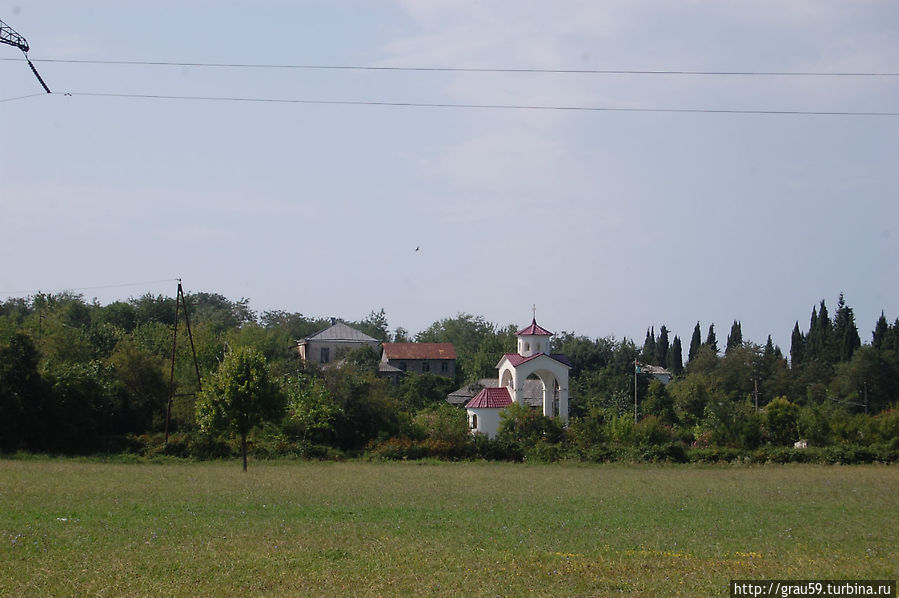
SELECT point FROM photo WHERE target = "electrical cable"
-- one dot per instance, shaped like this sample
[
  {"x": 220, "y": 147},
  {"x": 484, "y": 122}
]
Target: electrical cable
[
  {"x": 483, "y": 106},
  {"x": 471, "y": 69},
  {"x": 108, "y": 286}
]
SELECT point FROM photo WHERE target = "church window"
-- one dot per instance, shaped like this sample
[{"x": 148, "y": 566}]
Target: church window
[
  {"x": 527, "y": 346},
  {"x": 474, "y": 421}
]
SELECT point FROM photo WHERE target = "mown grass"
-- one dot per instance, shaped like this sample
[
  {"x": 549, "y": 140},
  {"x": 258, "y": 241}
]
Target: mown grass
[{"x": 365, "y": 529}]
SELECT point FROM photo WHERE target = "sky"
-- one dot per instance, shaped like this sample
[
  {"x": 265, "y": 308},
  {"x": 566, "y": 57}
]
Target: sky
[{"x": 671, "y": 201}]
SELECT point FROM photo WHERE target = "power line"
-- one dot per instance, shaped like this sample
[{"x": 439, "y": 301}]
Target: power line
[
  {"x": 108, "y": 286},
  {"x": 481, "y": 106},
  {"x": 438, "y": 69},
  {"x": 31, "y": 95}
]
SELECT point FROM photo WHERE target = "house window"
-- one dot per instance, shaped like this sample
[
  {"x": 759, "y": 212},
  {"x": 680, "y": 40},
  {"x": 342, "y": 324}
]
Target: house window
[
  {"x": 474, "y": 421},
  {"x": 444, "y": 367},
  {"x": 403, "y": 366},
  {"x": 426, "y": 366},
  {"x": 326, "y": 355}
]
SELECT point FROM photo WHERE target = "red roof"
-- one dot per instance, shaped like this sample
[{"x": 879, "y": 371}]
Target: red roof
[
  {"x": 419, "y": 351},
  {"x": 490, "y": 398},
  {"x": 534, "y": 330},
  {"x": 516, "y": 360}
]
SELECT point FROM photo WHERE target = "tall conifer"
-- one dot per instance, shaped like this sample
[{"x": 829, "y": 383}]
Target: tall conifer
[
  {"x": 695, "y": 342},
  {"x": 797, "y": 346},
  {"x": 735, "y": 338},
  {"x": 881, "y": 332},
  {"x": 845, "y": 339},
  {"x": 675, "y": 357},
  {"x": 662, "y": 347},
  {"x": 649, "y": 346},
  {"x": 711, "y": 340}
]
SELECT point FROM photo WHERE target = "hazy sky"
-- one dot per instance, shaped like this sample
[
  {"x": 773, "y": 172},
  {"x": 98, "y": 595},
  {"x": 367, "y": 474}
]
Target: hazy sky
[{"x": 610, "y": 221}]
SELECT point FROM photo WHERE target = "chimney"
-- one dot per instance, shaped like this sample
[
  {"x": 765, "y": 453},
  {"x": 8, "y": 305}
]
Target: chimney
[{"x": 333, "y": 320}]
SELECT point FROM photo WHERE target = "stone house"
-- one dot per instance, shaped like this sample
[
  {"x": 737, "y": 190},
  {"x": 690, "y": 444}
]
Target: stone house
[{"x": 333, "y": 343}]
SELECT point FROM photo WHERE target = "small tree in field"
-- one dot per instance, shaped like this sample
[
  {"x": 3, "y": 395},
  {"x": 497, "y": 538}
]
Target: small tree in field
[{"x": 242, "y": 395}]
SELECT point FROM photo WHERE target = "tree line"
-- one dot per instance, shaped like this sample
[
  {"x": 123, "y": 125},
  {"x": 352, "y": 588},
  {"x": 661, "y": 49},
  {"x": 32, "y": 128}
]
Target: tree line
[{"x": 79, "y": 377}]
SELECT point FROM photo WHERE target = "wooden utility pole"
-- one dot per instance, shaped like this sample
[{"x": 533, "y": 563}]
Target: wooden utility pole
[
  {"x": 180, "y": 303},
  {"x": 636, "y": 369}
]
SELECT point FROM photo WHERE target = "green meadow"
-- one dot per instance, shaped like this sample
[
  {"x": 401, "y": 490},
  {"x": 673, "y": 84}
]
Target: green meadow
[{"x": 86, "y": 528}]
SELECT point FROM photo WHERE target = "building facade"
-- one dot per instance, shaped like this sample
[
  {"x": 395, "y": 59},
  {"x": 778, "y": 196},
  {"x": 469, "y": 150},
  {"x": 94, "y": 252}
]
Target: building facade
[{"x": 333, "y": 343}]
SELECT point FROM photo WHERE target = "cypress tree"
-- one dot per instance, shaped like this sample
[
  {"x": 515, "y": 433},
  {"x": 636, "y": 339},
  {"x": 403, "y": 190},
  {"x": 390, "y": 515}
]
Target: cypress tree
[
  {"x": 695, "y": 342},
  {"x": 711, "y": 340},
  {"x": 662, "y": 347},
  {"x": 881, "y": 333},
  {"x": 813, "y": 338},
  {"x": 676, "y": 357},
  {"x": 797, "y": 346},
  {"x": 649, "y": 346},
  {"x": 735, "y": 338},
  {"x": 823, "y": 344},
  {"x": 845, "y": 339}
]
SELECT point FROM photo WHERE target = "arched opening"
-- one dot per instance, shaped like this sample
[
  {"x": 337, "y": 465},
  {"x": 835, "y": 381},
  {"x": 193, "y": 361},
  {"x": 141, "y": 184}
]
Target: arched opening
[{"x": 474, "y": 421}]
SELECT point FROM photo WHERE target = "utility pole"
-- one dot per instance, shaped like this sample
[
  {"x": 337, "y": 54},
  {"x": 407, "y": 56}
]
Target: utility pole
[
  {"x": 180, "y": 302},
  {"x": 636, "y": 370}
]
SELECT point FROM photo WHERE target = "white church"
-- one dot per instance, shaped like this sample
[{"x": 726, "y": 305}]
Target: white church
[{"x": 532, "y": 360}]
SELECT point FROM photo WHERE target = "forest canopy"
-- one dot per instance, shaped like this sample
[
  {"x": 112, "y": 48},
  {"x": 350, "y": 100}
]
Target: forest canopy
[{"x": 81, "y": 377}]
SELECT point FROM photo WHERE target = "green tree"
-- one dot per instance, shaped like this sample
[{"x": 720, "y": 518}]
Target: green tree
[
  {"x": 880, "y": 336},
  {"x": 649, "y": 346},
  {"x": 781, "y": 421},
  {"x": 375, "y": 325},
  {"x": 521, "y": 428},
  {"x": 711, "y": 341},
  {"x": 845, "y": 333},
  {"x": 675, "y": 357},
  {"x": 310, "y": 408},
  {"x": 731, "y": 423},
  {"x": 240, "y": 396},
  {"x": 138, "y": 378},
  {"x": 23, "y": 393},
  {"x": 797, "y": 347},
  {"x": 695, "y": 342},
  {"x": 401, "y": 335},
  {"x": 466, "y": 332},
  {"x": 662, "y": 347},
  {"x": 420, "y": 391},
  {"x": 735, "y": 338},
  {"x": 658, "y": 402},
  {"x": 690, "y": 396},
  {"x": 446, "y": 427}
]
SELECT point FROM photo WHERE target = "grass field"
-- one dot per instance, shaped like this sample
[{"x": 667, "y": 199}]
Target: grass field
[{"x": 293, "y": 529}]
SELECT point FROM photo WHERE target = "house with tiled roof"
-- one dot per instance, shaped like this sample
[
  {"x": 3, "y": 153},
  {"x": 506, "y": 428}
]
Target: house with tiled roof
[
  {"x": 519, "y": 376},
  {"x": 398, "y": 359},
  {"x": 333, "y": 343}
]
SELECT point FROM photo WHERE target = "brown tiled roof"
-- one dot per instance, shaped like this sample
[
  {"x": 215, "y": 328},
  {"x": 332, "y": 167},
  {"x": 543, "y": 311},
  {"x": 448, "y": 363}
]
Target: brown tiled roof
[
  {"x": 490, "y": 398},
  {"x": 419, "y": 351}
]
